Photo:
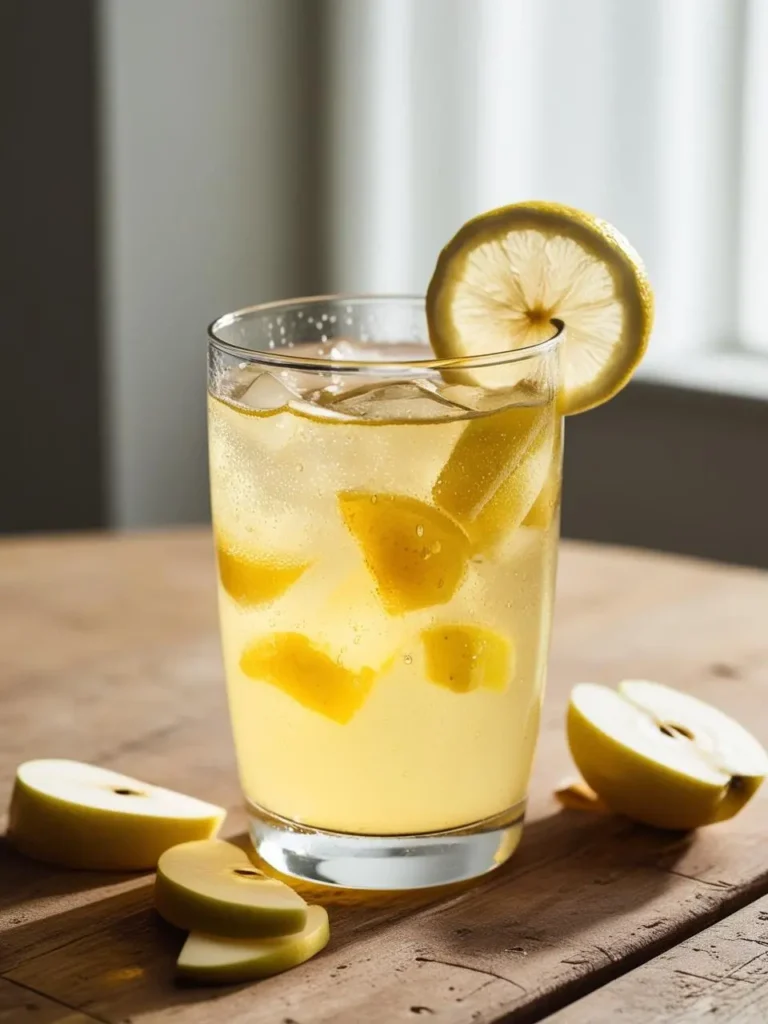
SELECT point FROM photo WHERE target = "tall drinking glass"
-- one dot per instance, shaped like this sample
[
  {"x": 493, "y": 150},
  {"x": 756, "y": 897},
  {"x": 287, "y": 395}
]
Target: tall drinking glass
[{"x": 386, "y": 530}]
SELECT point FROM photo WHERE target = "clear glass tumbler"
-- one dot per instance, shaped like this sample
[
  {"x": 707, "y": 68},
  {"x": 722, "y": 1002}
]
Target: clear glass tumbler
[{"x": 386, "y": 532}]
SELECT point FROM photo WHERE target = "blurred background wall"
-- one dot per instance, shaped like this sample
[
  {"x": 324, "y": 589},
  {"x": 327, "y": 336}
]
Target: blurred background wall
[{"x": 168, "y": 160}]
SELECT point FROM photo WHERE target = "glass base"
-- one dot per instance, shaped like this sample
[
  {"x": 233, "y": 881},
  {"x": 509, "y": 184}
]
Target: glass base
[{"x": 385, "y": 862}]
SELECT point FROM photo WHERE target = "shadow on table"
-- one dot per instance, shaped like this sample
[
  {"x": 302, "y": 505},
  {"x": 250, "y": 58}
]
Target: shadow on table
[
  {"x": 23, "y": 880},
  {"x": 115, "y": 957}
]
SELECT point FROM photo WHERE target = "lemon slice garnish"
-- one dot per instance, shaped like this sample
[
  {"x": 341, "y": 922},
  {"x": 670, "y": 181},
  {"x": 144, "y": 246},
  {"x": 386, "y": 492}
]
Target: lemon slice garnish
[{"x": 506, "y": 275}]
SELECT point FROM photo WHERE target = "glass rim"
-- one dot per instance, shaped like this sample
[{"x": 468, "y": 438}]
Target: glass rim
[{"x": 274, "y": 357}]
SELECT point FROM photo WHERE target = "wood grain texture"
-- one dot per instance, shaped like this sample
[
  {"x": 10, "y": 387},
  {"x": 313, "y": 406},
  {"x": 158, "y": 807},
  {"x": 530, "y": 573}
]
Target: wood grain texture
[
  {"x": 19, "y": 1005},
  {"x": 109, "y": 653},
  {"x": 720, "y": 975}
]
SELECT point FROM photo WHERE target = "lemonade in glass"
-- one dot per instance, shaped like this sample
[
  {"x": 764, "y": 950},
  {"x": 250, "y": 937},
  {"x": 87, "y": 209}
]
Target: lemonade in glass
[{"x": 386, "y": 528}]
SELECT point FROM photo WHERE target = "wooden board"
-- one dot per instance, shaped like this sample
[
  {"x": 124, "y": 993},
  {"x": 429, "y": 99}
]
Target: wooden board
[
  {"x": 720, "y": 975},
  {"x": 109, "y": 653}
]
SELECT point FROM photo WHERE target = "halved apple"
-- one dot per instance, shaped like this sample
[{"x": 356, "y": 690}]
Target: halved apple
[
  {"x": 213, "y": 886},
  {"x": 662, "y": 757},
  {"x": 212, "y": 960},
  {"x": 82, "y": 816}
]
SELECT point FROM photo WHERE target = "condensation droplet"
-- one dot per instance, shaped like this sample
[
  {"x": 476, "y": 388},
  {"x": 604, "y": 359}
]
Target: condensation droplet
[
  {"x": 437, "y": 547},
  {"x": 419, "y": 530},
  {"x": 374, "y": 499},
  {"x": 299, "y": 467},
  {"x": 407, "y": 659}
]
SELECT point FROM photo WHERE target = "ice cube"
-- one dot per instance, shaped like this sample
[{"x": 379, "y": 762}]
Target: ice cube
[
  {"x": 268, "y": 393},
  {"x": 395, "y": 400}
]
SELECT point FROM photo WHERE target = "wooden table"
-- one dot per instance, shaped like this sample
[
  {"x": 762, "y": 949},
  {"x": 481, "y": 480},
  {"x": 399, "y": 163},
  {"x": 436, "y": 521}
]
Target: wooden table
[{"x": 108, "y": 653}]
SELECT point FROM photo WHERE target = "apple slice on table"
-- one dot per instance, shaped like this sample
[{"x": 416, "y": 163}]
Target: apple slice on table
[
  {"x": 212, "y": 960},
  {"x": 213, "y": 886},
  {"x": 662, "y": 757},
  {"x": 82, "y": 816}
]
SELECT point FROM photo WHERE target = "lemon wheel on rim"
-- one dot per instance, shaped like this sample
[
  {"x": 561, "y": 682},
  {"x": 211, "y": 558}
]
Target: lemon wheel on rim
[{"x": 507, "y": 274}]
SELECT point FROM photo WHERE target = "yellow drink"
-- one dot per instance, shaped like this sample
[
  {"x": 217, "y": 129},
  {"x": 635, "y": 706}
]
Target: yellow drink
[{"x": 386, "y": 564}]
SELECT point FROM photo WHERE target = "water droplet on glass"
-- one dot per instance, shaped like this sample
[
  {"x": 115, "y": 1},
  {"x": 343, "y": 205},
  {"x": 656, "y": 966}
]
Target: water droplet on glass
[
  {"x": 299, "y": 468},
  {"x": 436, "y": 547},
  {"x": 419, "y": 530},
  {"x": 374, "y": 499},
  {"x": 407, "y": 659}
]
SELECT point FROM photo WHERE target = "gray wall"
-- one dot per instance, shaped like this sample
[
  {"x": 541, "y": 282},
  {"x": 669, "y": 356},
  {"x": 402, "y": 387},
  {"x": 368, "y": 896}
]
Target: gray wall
[
  {"x": 204, "y": 212},
  {"x": 672, "y": 469}
]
